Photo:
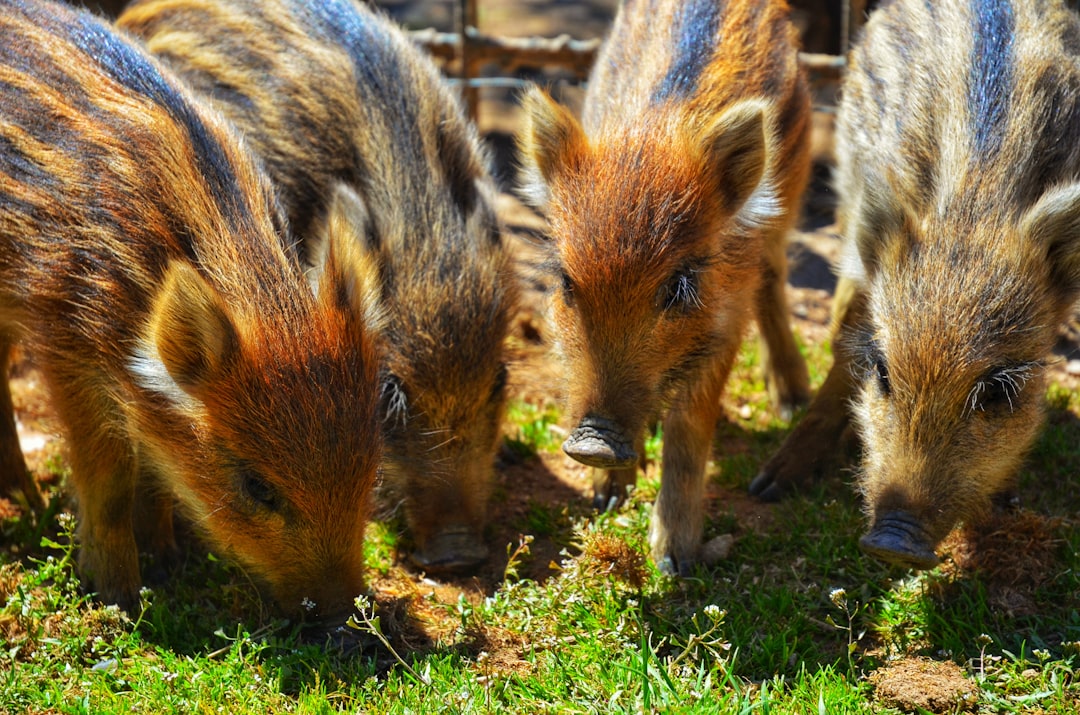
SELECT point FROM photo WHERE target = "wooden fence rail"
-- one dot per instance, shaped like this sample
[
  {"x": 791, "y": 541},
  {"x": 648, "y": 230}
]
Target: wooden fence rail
[{"x": 576, "y": 57}]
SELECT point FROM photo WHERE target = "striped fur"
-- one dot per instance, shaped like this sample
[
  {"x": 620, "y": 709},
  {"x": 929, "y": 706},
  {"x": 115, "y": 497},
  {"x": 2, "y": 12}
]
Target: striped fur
[
  {"x": 142, "y": 260},
  {"x": 329, "y": 92},
  {"x": 668, "y": 205},
  {"x": 958, "y": 172}
]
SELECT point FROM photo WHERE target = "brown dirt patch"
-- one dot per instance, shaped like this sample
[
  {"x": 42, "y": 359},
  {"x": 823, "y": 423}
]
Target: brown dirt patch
[{"x": 912, "y": 684}]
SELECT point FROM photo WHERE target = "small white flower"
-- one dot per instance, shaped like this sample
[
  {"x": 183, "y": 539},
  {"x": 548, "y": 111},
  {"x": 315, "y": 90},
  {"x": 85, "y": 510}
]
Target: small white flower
[{"x": 308, "y": 604}]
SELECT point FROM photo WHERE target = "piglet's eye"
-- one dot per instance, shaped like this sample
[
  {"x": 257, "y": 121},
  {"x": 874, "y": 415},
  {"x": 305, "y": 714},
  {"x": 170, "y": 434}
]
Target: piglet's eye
[
  {"x": 1001, "y": 388},
  {"x": 259, "y": 491},
  {"x": 500, "y": 382},
  {"x": 680, "y": 292},
  {"x": 877, "y": 369},
  {"x": 567, "y": 285},
  {"x": 995, "y": 393},
  {"x": 882, "y": 373}
]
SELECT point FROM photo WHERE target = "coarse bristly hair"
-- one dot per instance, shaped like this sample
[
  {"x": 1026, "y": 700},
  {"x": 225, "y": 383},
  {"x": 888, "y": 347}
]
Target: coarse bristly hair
[
  {"x": 668, "y": 204},
  {"x": 333, "y": 93},
  {"x": 148, "y": 268},
  {"x": 958, "y": 167}
]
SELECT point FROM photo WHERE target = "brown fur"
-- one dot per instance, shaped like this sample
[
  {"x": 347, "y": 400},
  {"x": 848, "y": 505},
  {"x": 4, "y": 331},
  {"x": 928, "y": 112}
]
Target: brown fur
[
  {"x": 668, "y": 209},
  {"x": 369, "y": 109},
  {"x": 141, "y": 259},
  {"x": 956, "y": 173}
]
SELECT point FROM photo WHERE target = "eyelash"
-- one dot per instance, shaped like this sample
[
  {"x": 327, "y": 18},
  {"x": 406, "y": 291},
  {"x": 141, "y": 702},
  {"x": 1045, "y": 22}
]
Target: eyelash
[{"x": 1001, "y": 386}]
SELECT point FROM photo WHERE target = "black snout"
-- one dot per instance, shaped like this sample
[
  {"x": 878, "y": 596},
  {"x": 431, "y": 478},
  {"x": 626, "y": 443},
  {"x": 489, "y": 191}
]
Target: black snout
[
  {"x": 899, "y": 538},
  {"x": 600, "y": 442}
]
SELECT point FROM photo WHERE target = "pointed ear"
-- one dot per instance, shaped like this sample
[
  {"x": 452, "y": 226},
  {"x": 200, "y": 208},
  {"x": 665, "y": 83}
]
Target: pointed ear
[
  {"x": 348, "y": 278},
  {"x": 191, "y": 330},
  {"x": 868, "y": 218},
  {"x": 1054, "y": 222},
  {"x": 550, "y": 138},
  {"x": 739, "y": 144}
]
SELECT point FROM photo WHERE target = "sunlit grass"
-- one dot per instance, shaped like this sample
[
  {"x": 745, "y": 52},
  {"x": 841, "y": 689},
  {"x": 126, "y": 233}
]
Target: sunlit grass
[
  {"x": 533, "y": 429},
  {"x": 796, "y": 620}
]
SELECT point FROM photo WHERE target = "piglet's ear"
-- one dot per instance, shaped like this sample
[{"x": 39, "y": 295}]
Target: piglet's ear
[
  {"x": 1054, "y": 222},
  {"x": 348, "y": 278},
  {"x": 549, "y": 140},
  {"x": 189, "y": 326},
  {"x": 739, "y": 144},
  {"x": 871, "y": 218}
]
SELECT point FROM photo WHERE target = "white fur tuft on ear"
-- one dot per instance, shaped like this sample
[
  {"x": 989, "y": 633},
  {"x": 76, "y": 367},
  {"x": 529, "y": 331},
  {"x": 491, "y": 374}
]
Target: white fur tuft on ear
[
  {"x": 850, "y": 264},
  {"x": 189, "y": 341},
  {"x": 761, "y": 208},
  {"x": 741, "y": 144},
  {"x": 151, "y": 374}
]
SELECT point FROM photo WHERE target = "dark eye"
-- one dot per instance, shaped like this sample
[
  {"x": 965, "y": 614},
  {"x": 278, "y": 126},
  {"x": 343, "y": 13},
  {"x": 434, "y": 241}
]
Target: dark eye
[
  {"x": 995, "y": 393},
  {"x": 1000, "y": 388},
  {"x": 259, "y": 491},
  {"x": 393, "y": 401},
  {"x": 680, "y": 292},
  {"x": 500, "y": 383},
  {"x": 567, "y": 288},
  {"x": 882, "y": 373}
]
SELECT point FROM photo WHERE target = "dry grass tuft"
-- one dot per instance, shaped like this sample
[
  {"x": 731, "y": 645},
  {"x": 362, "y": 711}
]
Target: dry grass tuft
[
  {"x": 609, "y": 556},
  {"x": 1014, "y": 554}
]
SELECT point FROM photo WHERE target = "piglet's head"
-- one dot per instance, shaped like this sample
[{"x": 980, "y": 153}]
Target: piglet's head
[
  {"x": 265, "y": 423},
  {"x": 654, "y": 253}
]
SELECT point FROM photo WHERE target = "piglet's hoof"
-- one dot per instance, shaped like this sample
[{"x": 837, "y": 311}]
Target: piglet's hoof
[
  {"x": 672, "y": 565},
  {"x": 765, "y": 487}
]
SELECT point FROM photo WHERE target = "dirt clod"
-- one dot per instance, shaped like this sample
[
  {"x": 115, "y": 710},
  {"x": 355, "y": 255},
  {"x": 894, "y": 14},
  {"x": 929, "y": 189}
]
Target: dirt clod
[
  {"x": 717, "y": 549},
  {"x": 914, "y": 684}
]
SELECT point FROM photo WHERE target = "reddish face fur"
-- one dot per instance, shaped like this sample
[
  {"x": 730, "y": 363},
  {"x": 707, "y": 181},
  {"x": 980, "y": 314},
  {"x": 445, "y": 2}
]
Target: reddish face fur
[
  {"x": 142, "y": 259},
  {"x": 640, "y": 260},
  {"x": 668, "y": 211},
  {"x": 379, "y": 119}
]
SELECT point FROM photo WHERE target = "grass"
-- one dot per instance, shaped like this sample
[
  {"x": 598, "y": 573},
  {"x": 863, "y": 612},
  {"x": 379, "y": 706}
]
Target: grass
[
  {"x": 795, "y": 621},
  {"x": 534, "y": 429}
]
